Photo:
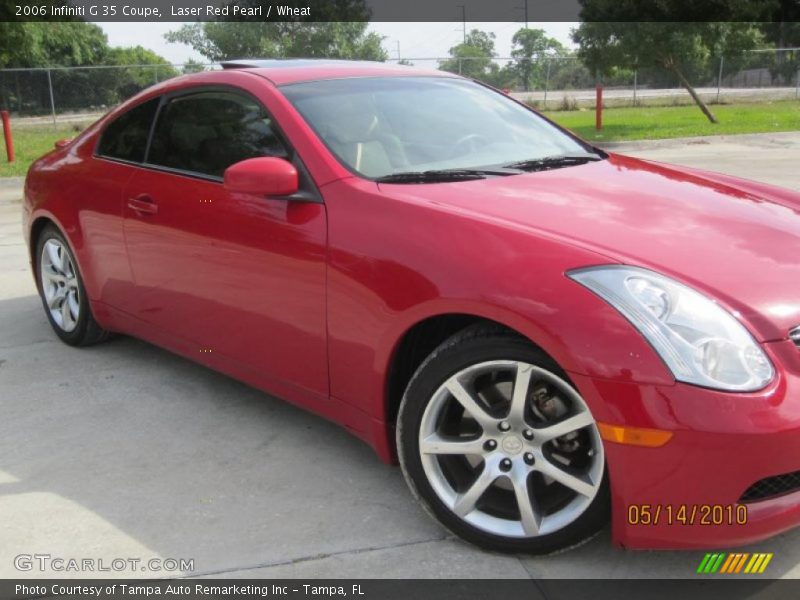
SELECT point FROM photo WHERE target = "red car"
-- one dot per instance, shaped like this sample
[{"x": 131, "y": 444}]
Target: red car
[{"x": 546, "y": 336}]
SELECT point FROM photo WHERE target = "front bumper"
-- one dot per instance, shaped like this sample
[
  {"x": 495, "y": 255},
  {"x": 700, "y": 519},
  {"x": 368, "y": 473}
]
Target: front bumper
[{"x": 686, "y": 493}]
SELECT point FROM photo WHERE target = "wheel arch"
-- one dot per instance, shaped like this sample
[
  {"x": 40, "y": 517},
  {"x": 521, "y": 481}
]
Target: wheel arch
[
  {"x": 72, "y": 233},
  {"x": 421, "y": 338},
  {"x": 37, "y": 226}
]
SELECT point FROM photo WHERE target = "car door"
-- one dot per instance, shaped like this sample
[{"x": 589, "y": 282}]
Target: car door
[
  {"x": 117, "y": 155},
  {"x": 238, "y": 275}
]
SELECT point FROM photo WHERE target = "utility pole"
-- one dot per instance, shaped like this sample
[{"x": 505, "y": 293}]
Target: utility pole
[
  {"x": 52, "y": 101},
  {"x": 524, "y": 8},
  {"x": 463, "y": 21},
  {"x": 398, "y": 49}
]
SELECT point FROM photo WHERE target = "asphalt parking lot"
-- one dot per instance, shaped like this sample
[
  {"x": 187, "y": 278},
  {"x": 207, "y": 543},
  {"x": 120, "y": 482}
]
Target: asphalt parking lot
[{"x": 125, "y": 451}]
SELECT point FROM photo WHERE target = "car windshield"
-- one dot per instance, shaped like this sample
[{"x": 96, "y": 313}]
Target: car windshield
[{"x": 384, "y": 126}]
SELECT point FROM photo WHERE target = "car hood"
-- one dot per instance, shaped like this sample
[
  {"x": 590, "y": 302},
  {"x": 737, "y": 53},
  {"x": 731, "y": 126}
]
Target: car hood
[{"x": 735, "y": 240}]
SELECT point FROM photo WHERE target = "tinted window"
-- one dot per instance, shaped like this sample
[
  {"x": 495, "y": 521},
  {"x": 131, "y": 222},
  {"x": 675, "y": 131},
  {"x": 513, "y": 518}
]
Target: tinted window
[
  {"x": 126, "y": 137},
  {"x": 209, "y": 131},
  {"x": 383, "y": 125}
]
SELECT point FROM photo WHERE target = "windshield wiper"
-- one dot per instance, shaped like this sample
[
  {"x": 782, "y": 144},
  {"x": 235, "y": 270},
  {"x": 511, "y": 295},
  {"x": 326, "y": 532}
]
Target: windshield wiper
[
  {"x": 553, "y": 162},
  {"x": 439, "y": 175}
]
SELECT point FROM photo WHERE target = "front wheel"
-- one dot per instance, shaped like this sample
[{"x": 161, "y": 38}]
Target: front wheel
[{"x": 500, "y": 447}]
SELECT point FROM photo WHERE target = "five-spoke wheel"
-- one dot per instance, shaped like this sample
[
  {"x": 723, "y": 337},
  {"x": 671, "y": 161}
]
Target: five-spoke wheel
[
  {"x": 59, "y": 284},
  {"x": 502, "y": 448},
  {"x": 61, "y": 288}
]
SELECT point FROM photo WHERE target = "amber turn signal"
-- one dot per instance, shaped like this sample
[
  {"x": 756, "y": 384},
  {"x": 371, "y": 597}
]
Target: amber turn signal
[{"x": 634, "y": 436}]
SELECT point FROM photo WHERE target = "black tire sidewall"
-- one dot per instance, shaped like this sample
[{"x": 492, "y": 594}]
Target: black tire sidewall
[
  {"x": 443, "y": 363},
  {"x": 77, "y": 335}
]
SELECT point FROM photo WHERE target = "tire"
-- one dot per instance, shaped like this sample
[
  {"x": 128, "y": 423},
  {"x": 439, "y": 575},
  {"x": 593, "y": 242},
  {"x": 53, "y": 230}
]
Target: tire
[
  {"x": 62, "y": 291},
  {"x": 506, "y": 450}
]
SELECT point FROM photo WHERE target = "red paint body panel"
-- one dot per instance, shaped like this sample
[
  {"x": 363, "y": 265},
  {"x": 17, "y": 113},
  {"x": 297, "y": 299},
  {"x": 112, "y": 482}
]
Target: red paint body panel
[
  {"x": 310, "y": 300},
  {"x": 702, "y": 231},
  {"x": 257, "y": 296},
  {"x": 723, "y": 443},
  {"x": 248, "y": 177}
]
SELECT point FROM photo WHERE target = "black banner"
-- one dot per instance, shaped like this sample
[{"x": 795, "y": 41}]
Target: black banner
[
  {"x": 712, "y": 588},
  {"x": 393, "y": 10}
]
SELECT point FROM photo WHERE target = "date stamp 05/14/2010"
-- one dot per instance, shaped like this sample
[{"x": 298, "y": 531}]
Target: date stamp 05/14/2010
[{"x": 687, "y": 514}]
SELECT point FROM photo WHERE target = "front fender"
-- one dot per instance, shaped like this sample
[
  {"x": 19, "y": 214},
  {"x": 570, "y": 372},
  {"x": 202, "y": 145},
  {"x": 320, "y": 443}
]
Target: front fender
[{"x": 394, "y": 263}]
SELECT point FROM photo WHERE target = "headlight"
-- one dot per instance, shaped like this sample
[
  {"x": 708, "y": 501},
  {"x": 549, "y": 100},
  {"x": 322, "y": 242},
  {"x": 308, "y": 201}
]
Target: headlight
[{"x": 700, "y": 342}]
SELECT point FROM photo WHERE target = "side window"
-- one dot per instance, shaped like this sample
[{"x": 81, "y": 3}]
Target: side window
[
  {"x": 126, "y": 137},
  {"x": 207, "y": 132}
]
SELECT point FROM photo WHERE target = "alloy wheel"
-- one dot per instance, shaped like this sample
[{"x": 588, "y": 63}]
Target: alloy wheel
[
  {"x": 60, "y": 285},
  {"x": 511, "y": 448}
]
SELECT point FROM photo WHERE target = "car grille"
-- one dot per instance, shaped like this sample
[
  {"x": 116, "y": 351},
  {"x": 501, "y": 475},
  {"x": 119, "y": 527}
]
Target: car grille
[
  {"x": 794, "y": 335},
  {"x": 771, "y": 487}
]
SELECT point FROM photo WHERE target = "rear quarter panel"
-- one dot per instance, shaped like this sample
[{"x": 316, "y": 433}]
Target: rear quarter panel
[{"x": 82, "y": 196}]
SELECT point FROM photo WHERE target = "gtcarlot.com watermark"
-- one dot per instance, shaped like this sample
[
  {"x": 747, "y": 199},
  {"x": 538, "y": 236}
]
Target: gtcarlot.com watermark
[{"x": 60, "y": 564}]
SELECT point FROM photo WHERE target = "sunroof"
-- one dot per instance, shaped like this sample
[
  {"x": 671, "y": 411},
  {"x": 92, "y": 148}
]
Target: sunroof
[{"x": 281, "y": 63}]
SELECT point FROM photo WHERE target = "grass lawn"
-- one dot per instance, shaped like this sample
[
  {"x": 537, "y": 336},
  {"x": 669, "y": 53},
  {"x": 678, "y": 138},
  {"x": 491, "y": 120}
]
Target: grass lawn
[
  {"x": 643, "y": 123},
  {"x": 30, "y": 143}
]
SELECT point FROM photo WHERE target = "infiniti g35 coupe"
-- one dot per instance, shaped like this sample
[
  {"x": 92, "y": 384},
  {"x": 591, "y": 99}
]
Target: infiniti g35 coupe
[{"x": 545, "y": 336}]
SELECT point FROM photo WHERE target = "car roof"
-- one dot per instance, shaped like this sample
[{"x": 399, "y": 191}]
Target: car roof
[{"x": 296, "y": 70}]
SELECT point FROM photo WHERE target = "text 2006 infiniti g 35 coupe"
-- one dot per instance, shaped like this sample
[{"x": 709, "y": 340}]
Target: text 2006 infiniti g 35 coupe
[{"x": 547, "y": 337}]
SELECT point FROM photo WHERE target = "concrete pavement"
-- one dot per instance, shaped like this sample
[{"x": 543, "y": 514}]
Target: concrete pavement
[
  {"x": 11, "y": 189},
  {"x": 768, "y": 157},
  {"x": 126, "y": 451}
]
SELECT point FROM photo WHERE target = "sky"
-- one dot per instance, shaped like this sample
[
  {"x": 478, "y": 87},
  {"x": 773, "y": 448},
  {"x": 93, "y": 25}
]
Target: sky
[{"x": 417, "y": 40}]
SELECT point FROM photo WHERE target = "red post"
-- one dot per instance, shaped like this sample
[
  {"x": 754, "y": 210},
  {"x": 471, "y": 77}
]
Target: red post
[
  {"x": 7, "y": 134},
  {"x": 598, "y": 111}
]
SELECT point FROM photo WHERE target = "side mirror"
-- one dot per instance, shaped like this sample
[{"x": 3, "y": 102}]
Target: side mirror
[{"x": 264, "y": 176}]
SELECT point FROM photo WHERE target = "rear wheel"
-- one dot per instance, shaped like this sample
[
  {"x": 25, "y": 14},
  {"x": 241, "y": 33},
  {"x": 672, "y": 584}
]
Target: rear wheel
[
  {"x": 62, "y": 291},
  {"x": 500, "y": 447}
]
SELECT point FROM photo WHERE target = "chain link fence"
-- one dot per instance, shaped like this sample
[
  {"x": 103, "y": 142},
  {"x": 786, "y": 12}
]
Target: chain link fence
[
  {"x": 79, "y": 93},
  {"x": 565, "y": 83},
  {"x": 64, "y": 94}
]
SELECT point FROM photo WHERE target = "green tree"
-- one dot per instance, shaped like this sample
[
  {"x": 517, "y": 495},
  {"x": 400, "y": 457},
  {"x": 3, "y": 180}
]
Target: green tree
[
  {"x": 570, "y": 74},
  {"x": 783, "y": 31},
  {"x": 782, "y": 27},
  {"x": 70, "y": 44},
  {"x": 218, "y": 40},
  {"x": 135, "y": 55},
  {"x": 668, "y": 34},
  {"x": 193, "y": 66},
  {"x": 783, "y": 34},
  {"x": 531, "y": 49},
  {"x": 473, "y": 57},
  {"x": 140, "y": 68},
  {"x": 35, "y": 44},
  {"x": 675, "y": 47},
  {"x": 504, "y": 77}
]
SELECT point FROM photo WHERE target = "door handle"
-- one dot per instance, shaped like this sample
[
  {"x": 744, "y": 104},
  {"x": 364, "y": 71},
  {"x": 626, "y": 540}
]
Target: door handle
[{"x": 143, "y": 205}]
